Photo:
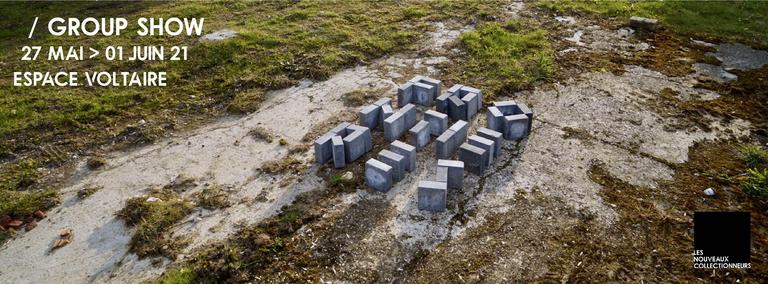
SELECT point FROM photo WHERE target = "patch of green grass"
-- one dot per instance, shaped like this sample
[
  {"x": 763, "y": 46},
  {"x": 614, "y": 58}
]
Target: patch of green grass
[
  {"x": 152, "y": 219},
  {"x": 19, "y": 176},
  {"x": 504, "y": 57},
  {"x": 744, "y": 20},
  {"x": 754, "y": 155},
  {"x": 87, "y": 191},
  {"x": 361, "y": 97},
  {"x": 213, "y": 197},
  {"x": 756, "y": 183},
  {"x": 179, "y": 276},
  {"x": 24, "y": 203}
]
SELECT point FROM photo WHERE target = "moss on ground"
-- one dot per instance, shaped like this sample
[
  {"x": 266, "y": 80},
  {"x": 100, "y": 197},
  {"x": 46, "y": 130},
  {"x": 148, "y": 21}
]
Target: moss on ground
[{"x": 151, "y": 217}]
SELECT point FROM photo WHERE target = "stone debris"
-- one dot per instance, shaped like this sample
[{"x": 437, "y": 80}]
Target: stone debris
[
  {"x": 40, "y": 214},
  {"x": 643, "y": 23},
  {"x": 709, "y": 192},
  {"x": 65, "y": 238},
  {"x": 153, "y": 199}
]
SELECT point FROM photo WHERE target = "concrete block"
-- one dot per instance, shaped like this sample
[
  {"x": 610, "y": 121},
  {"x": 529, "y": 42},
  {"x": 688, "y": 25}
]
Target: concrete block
[
  {"x": 441, "y": 175},
  {"x": 455, "y": 171},
  {"x": 420, "y": 134},
  {"x": 438, "y": 122},
  {"x": 404, "y": 94},
  {"x": 445, "y": 145},
  {"x": 386, "y": 112},
  {"x": 423, "y": 94},
  {"x": 409, "y": 111},
  {"x": 495, "y": 119},
  {"x": 457, "y": 109},
  {"x": 461, "y": 128},
  {"x": 507, "y": 107},
  {"x": 432, "y": 196},
  {"x": 494, "y": 136},
  {"x": 341, "y": 129},
  {"x": 394, "y": 126},
  {"x": 455, "y": 90},
  {"x": 515, "y": 126},
  {"x": 467, "y": 89},
  {"x": 354, "y": 146},
  {"x": 441, "y": 103},
  {"x": 471, "y": 101},
  {"x": 527, "y": 112},
  {"x": 378, "y": 175},
  {"x": 367, "y": 136},
  {"x": 475, "y": 158},
  {"x": 407, "y": 151},
  {"x": 323, "y": 148},
  {"x": 369, "y": 116},
  {"x": 396, "y": 161},
  {"x": 383, "y": 101},
  {"x": 436, "y": 84},
  {"x": 485, "y": 144},
  {"x": 338, "y": 152}
]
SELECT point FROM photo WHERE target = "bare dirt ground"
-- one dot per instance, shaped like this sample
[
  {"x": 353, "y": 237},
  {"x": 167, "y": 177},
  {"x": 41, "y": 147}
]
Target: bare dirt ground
[{"x": 560, "y": 205}]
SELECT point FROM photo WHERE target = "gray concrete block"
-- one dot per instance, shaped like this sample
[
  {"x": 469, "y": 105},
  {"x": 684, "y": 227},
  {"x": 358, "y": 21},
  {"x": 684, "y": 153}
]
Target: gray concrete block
[
  {"x": 436, "y": 84},
  {"x": 494, "y": 136},
  {"x": 338, "y": 152},
  {"x": 396, "y": 161},
  {"x": 445, "y": 145},
  {"x": 515, "y": 126},
  {"x": 341, "y": 129},
  {"x": 420, "y": 134},
  {"x": 461, "y": 128},
  {"x": 485, "y": 144},
  {"x": 394, "y": 126},
  {"x": 527, "y": 112},
  {"x": 457, "y": 109},
  {"x": 467, "y": 89},
  {"x": 409, "y": 111},
  {"x": 471, "y": 101},
  {"x": 475, "y": 158},
  {"x": 378, "y": 175},
  {"x": 383, "y": 101},
  {"x": 366, "y": 136},
  {"x": 386, "y": 112},
  {"x": 408, "y": 151},
  {"x": 495, "y": 119},
  {"x": 441, "y": 103},
  {"x": 423, "y": 94},
  {"x": 441, "y": 175},
  {"x": 323, "y": 148},
  {"x": 432, "y": 196},
  {"x": 455, "y": 90},
  {"x": 438, "y": 122},
  {"x": 507, "y": 107},
  {"x": 455, "y": 171},
  {"x": 369, "y": 116},
  {"x": 354, "y": 146},
  {"x": 404, "y": 94}
]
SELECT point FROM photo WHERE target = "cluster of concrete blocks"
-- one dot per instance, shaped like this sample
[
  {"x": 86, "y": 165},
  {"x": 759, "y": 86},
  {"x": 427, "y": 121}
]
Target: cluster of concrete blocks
[
  {"x": 512, "y": 119},
  {"x": 433, "y": 195},
  {"x": 419, "y": 90},
  {"x": 390, "y": 166},
  {"x": 460, "y": 102},
  {"x": 343, "y": 144}
]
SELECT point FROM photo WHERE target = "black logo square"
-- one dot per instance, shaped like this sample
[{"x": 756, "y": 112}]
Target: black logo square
[{"x": 722, "y": 234}]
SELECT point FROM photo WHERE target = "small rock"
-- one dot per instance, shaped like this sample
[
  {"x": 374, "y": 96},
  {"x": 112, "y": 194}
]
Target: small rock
[
  {"x": 31, "y": 225},
  {"x": 153, "y": 199},
  {"x": 709, "y": 192},
  {"x": 60, "y": 243},
  {"x": 219, "y": 35},
  {"x": 142, "y": 122},
  {"x": 643, "y": 23},
  {"x": 65, "y": 233},
  {"x": 348, "y": 176},
  {"x": 15, "y": 224},
  {"x": 40, "y": 214},
  {"x": 263, "y": 240}
]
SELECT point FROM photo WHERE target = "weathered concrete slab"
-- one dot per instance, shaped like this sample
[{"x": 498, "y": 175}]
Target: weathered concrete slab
[
  {"x": 494, "y": 136},
  {"x": 396, "y": 161},
  {"x": 438, "y": 122},
  {"x": 378, "y": 175},
  {"x": 420, "y": 134},
  {"x": 407, "y": 151},
  {"x": 405, "y": 94},
  {"x": 423, "y": 94},
  {"x": 369, "y": 116},
  {"x": 485, "y": 144},
  {"x": 432, "y": 196},
  {"x": 455, "y": 172},
  {"x": 475, "y": 158},
  {"x": 457, "y": 109},
  {"x": 409, "y": 111},
  {"x": 339, "y": 161},
  {"x": 445, "y": 145},
  {"x": 515, "y": 126},
  {"x": 471, "y": 100},
  {"x": 394, "y": 126}
]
